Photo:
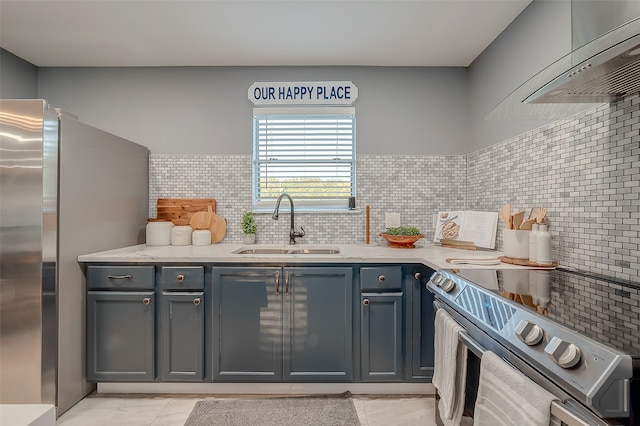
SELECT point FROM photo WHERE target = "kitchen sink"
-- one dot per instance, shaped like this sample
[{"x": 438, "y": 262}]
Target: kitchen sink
[
  {"x": 261, "y": 251},
  {"x": 316, "y": 251},
  {"x": 272, "y": 250}
]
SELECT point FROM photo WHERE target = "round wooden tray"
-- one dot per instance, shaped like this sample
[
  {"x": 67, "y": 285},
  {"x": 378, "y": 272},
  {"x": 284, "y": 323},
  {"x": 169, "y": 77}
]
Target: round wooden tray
[{"x": 526, "y": 262}]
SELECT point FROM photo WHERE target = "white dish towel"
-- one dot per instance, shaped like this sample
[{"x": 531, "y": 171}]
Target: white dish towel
[
  {"x": 507, "y": 397},
  {"x": 450, "y": 368}
]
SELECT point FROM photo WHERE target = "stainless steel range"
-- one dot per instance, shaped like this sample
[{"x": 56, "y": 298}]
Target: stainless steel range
[{"x": 577, "y": 335}]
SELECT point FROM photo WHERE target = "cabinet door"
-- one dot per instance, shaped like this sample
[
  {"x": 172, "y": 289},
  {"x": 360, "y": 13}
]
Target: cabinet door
[
  {"x": 423, "y": 321},
  {"x": 318, "y": 324},
  {"x": 120, "y": 336},
  {"x": 247, "y": 324},
  {"x": 182, "y": 336},
  {"x": 381, "y": 337}
]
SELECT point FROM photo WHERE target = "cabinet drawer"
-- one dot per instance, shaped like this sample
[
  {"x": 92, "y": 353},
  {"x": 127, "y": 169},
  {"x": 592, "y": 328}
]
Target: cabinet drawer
[
  {"x": 120, "y": 277},
  {"x": 182, "y": 277},
  {"x": 381, "y": 278}
]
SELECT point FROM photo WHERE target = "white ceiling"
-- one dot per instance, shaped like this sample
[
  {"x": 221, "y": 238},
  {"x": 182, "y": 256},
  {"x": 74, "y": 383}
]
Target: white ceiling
[{"x": 53, "y": 33}]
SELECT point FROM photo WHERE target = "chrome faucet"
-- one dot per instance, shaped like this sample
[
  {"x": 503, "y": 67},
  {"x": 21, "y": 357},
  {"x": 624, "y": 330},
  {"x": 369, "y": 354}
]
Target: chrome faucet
[{"x": 276, "y": 213}]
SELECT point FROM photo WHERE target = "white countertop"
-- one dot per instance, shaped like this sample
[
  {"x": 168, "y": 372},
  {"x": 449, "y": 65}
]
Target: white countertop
[
  {"x": 27, "y": 415},
  {"x": 433, "y": 256}
]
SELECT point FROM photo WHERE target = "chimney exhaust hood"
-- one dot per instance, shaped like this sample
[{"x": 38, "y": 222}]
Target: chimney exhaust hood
[
  {"x": 607, "y": 70},
  {"x": 604, "y": 69}
]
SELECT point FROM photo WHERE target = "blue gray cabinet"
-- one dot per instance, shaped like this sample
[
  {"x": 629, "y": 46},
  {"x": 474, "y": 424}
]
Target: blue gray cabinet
[
  {"x": 120, "y": 324},
  {"x": 381, "y": 323},
  {"x": 275, "y": 324},
  {"x": 182, "y": 324},
  {"x": 318, "y": 322},
  {"x": 247, "y": 324},
  {"x": 381, "y": 337},
  {"x": 423, "y": 317}
]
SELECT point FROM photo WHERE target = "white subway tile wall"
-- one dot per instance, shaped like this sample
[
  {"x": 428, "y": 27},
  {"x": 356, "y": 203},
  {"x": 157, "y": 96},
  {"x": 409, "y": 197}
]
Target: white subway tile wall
[
  {"x": 585, "y": 170},
  {"x": 415, "y": 187}
]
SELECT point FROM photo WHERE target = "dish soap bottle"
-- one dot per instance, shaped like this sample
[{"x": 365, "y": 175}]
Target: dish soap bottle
[{"x": 543, "y": 243}]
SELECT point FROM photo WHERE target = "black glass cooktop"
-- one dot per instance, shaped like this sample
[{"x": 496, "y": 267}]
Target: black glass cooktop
[{"x": 602, "y": 309}]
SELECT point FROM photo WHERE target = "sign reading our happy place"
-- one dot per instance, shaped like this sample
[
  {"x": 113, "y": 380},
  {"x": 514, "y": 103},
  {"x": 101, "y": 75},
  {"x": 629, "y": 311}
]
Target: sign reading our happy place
[{"x": 303, "y": 93}]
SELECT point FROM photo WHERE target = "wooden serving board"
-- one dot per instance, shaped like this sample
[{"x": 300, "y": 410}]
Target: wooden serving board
[
  {"x": 526, "y": 262},
  {"x": 180, "y": 210},
  {"x": 218, "y": 228}
]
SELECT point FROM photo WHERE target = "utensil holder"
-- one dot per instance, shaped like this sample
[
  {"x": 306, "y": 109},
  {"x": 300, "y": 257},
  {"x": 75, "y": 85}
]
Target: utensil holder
[{"x": 516, "y": 243}]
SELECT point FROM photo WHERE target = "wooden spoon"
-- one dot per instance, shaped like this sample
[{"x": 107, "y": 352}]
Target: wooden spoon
[
  {"x": 518, "y": 217},
  {"x": 540, "y": 214},
  {"x": 527, "y": 224},
  {"x": 505, "y": 215}
]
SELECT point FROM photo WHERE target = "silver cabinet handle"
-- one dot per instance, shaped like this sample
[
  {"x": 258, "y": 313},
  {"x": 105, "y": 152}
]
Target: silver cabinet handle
[
  {"x": 381, "y": 278},
  {"x": 196, "y": 301},
  {"x": 278, "y": 282},
  {"x": 146, "y": 300},
  {"x": 365, "y": 302},
  {"x": 180, "y": 278},
  {"x": 119, "y": 277},
  {"x": 286, "y": 283},
  {"x": 418, "y": 276}
]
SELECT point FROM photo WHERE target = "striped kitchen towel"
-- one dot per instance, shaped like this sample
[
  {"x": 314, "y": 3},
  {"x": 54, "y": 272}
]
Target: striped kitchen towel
[
  {"x": 507, "y": 397},
  {"x": 450, "y": 368}
]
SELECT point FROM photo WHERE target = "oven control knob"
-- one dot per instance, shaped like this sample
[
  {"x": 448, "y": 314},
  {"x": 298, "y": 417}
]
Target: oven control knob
[
  {"x": 565, "y": 354},
  {"x": 437, "y": 280},
  {"x": 448, "y": 285},
  {"x": 529, "y": 333}
]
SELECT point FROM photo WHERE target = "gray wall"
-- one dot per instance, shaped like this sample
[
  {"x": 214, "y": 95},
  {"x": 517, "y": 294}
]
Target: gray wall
[
  {"x": 419, "y": 111},
  {"x": 18, "y": 78},
  {"x": 540, "y": 35}
]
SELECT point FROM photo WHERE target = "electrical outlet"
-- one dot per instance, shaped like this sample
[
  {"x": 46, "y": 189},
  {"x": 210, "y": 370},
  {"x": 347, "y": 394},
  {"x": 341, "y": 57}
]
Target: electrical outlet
[{"x": 391, "y": 220}]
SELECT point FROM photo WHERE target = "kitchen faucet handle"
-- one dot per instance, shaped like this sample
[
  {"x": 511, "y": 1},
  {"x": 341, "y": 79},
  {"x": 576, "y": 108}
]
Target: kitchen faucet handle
[{"x": 301, "y": 233}]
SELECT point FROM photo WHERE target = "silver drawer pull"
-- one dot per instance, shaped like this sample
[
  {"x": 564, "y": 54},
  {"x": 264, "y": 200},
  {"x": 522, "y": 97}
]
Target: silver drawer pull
[
  {"x": 119, "y": 277},
  {"x": 146, "y": 300},
  {"x": 180, "y": 278},
  {"x": 418, "y": 276},
  {"x": 365, "y": 302},
  {"x": 196, "y": 301},
  {"x": 381, "y": 278}
]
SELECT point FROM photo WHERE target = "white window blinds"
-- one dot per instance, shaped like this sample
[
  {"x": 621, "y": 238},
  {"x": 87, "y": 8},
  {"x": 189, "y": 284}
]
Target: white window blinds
[{"x": 308, "y": 153}]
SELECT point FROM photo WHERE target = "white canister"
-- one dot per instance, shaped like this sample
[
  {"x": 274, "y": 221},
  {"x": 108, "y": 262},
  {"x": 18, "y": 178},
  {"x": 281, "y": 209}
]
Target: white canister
[
  {"x": 181, "y": 235},
  {"x": 201, "y": 237},
  {"x": 516, "y": 243},
  {"x": 159, "y": 233}
]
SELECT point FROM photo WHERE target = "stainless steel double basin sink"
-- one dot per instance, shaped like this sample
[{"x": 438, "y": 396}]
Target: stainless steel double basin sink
[{"x": 286, "y": 251}]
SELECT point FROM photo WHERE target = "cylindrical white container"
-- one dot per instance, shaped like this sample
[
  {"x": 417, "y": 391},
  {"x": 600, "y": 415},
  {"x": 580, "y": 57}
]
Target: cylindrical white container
[
  {"x": 533, "y": 242},
  {"x": 181, "y": 235},
  {"x": 516, "y": 243},
  {"x": 159, "y": 233},
  {"x": 543, "y": 243},
  {"x": 201, "y": 237}
]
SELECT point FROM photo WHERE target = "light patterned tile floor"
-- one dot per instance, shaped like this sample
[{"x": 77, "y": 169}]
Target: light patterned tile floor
[{"x": 123, "y": 410}]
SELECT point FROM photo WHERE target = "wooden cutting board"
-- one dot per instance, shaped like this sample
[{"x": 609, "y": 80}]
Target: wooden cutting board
[
  {"x": 218, "y": 228},
  {"x": 180, "y": 210}
]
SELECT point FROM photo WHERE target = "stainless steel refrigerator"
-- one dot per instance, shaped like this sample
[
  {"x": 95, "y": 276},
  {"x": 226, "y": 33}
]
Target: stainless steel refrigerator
[{"x": 66, "y": 189}]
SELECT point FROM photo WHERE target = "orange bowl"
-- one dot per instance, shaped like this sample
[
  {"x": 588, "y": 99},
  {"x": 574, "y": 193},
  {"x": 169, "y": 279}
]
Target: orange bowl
[{"x": 401, "y": 241}]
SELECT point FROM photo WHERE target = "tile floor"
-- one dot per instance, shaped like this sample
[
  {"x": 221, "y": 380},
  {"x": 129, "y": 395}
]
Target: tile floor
[{"x": 122, "y": 410}]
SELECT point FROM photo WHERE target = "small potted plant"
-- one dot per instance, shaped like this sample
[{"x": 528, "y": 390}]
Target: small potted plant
[{"x": 248, "y": 228}]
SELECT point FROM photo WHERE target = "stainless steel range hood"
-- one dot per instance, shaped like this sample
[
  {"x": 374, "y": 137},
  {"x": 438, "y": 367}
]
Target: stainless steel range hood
[
  {"x": 605, "y": 70},
  {"x": 603, "y": 67}
]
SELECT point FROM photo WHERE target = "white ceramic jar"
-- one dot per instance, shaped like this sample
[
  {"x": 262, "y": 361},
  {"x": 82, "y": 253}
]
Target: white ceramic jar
[
  {"x": 181, "y": 235},
  {"x": 543, "y": 243},
  {"x": 201, "y": 237},
  {"x": 159, "y": 233}
]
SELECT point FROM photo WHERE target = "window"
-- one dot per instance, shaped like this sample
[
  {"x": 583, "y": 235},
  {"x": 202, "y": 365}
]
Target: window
[{"x": 308, "y": 153}]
